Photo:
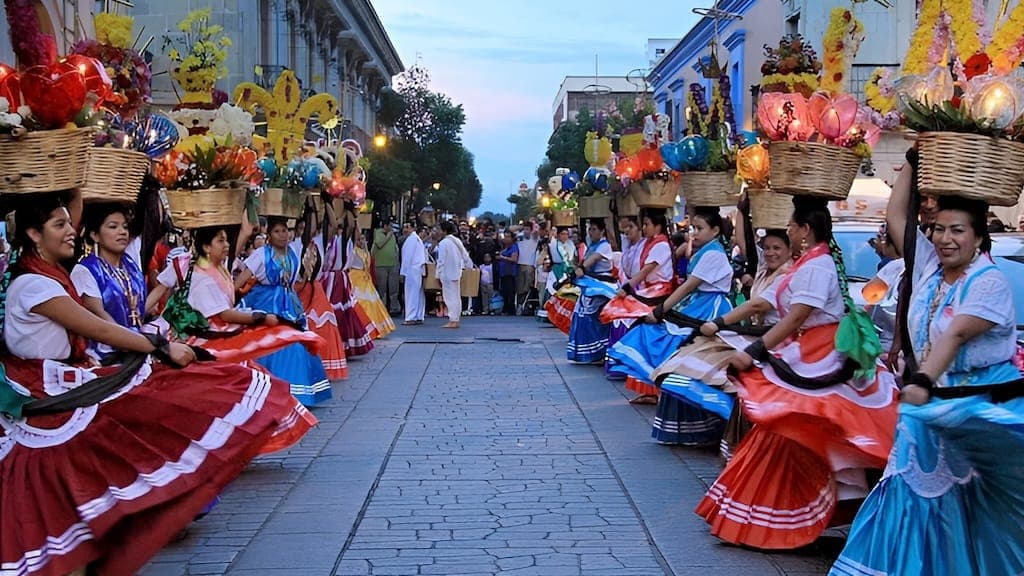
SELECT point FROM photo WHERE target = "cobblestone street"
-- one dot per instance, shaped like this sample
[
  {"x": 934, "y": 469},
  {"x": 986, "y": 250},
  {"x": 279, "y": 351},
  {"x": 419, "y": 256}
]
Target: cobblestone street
[{"x": 476, "y": 451}]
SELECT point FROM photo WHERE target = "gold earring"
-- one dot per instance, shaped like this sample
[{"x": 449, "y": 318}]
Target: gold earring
[{"x": 803, "y": 244}]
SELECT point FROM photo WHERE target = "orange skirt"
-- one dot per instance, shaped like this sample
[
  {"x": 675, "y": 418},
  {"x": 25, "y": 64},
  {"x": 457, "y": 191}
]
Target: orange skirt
[
  {"x": 642, "y": 388},
  {"x": 321, "y": 319},
  {"x": 559, "y": 309}
]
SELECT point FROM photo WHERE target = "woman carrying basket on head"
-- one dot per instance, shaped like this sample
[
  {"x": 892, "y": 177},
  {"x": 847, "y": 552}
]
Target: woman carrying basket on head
[
  {"x": 822, "y": 405},
  {"x": 588, "y": 337},
  {"x": 950, "y": 500},
  {"x": 81, "y": 445}
]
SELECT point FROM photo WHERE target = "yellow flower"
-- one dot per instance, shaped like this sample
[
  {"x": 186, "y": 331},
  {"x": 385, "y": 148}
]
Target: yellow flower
[
  {"x": 1005, "y": 39},
  {"x": 873, "y": 92},
  {"x": 963, "y": 27},
  {"x": 174, "y": 55},
  {"x": 113, "y": 29},
  {"x": 916, "y": 61},
  {"x": 842, "y": 37}
]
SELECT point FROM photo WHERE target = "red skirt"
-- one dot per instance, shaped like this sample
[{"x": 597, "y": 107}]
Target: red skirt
[
  {"x": 780, "y": 488},
  {"x": 257, "y": 341},
  {"x": 320, "y": 318},
  {"x": 559, "y": 309},
  {"x": 114, "y": 482},
  {"x": 642, "y": 388},
  {"x": 356, "y": 329}
]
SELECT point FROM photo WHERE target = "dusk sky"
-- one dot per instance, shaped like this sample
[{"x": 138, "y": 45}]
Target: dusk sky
[{"x": 504, "y": 62}]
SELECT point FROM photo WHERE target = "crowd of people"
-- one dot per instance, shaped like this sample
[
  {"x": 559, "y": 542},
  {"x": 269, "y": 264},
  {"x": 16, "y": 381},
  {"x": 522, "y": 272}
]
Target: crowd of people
[{"x": 749, "y": 341}]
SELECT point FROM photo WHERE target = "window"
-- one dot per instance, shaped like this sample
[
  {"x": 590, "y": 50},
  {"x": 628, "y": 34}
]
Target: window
[{"x": 793, "y": 24}]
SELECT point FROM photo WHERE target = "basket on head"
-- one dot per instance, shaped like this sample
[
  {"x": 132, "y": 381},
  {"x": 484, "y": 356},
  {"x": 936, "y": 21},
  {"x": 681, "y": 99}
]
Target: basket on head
[
  {"x": 812, "y": 169},
  {"x": 625, "y": 204},
  {"x": 564, "y": 218},
  {"x": 210, "y": 207},
  {"x": 286, "y": 203},
  {"x": 597, "y": 206},
  {"x": 972, "y": 166},
  {"x": 469, "y": 285},
  {"x": 114, "y": 175},
  {"x": 710, "y": 188},
  {"x": 45, "y": 160},
  {"x": 655, "y": 193},
  {"x": 769, "y": 209}
]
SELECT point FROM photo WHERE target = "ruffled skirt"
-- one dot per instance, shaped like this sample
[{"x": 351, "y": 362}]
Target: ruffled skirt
[
  {"x": 356, "y": 329},
  {"x": 320, "y": 318},
  {"x": 807, "y": 450},
  {"x": 369, "y": 301},
  {"x": 114, "y": 482},
  {"x": 588, "y": 337},
  {"x": 560, "y": 307},
  {"x": 951, "y": 499}
]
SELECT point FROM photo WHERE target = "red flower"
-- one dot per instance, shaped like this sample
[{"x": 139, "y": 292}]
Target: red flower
[{"x": 977, "y": 65}]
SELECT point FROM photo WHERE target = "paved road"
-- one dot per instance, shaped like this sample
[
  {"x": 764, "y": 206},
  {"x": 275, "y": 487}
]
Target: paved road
[{"x": 477, "y": 451}]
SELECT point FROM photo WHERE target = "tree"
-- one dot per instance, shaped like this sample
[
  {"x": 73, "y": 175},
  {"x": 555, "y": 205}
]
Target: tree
[
  {"x": 525, "y": 207},
  {"x": 565, "y": 147}
]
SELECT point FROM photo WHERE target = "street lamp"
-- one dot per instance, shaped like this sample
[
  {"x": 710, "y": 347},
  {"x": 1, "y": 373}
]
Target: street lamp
[
  {"x": 545, "y": 201},
  {"x": 380, "y": 140},
  {"x": 437, "y": 185}
]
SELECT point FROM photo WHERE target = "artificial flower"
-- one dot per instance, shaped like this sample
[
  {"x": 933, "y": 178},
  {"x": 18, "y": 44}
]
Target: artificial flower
[
  {"x": 842, "y": 40},
  {"x": 916, "y": 61}
]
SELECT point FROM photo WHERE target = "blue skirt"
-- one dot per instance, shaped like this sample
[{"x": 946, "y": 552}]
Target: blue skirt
[
  {"x": 951, "y": 500},
  {"x": 588, "y": 337},
  {"x": 646, "y": 346},
  {"x": 293, "y": 364}
]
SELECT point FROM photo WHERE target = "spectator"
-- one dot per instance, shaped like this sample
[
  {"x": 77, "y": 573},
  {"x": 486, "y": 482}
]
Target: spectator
[
  {"x": 386, "y": 264},
  {"x": 508, "y": 270},
  {"x": 527, "y": 267},
  {"x": 486, "y": 284}
]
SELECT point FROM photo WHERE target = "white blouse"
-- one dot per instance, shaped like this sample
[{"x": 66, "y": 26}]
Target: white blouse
[
  {"x": 27, "y": 334},
  {"x": 815, "y": 284}
]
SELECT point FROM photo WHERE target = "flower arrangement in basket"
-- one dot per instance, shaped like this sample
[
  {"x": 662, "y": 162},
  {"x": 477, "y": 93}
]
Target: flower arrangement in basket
[
  {"x": 564, "y": 205},
  {"x": 123, "y": 155},
  {"x": 593, "y": 190},
  {"x": 129, "y": 72},
  {"x": 650, "y": 181},
  {"x": 47, "y": 108},
  {"x": 970, "y": 120},
  {"x": 209, "y": 185},
  {"x": 626, "y": 121},
  {"x": 198, "y": 51},
  {"x": 817, "y": 143},
  {"x": 706, "y": 157}
]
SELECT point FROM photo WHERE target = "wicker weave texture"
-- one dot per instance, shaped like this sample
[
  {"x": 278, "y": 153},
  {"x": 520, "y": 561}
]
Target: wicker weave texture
[
  {"x": 656, "y": 193},
  {"x": 277, "y": 202},
  {"x": 972, "y": 166},
  {"x": 597, "y": 206},
  {"x": 114, "y": 175},
  {"x": 625, "y": 204},
  {"x": 812, "y": 169},
  {"x": 210, "y": 207},
  {"x": 769, "y": 209},
  {"x": 564, "y": 218},
  {"x": 710, "y": 188},
  {"x": 44, "y": 161}
]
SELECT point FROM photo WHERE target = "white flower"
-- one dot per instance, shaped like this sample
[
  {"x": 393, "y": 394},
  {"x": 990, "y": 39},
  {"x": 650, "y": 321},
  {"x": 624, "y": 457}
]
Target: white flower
[{"x": 233, "y": 121}]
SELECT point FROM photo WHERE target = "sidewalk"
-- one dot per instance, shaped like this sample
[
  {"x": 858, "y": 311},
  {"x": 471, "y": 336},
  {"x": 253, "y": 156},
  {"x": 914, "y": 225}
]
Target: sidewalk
[{"x": 473, "y": 451}]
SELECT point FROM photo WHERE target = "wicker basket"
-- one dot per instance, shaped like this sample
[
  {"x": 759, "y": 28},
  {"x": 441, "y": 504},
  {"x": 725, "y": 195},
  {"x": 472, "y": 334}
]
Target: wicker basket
[
  {"x": 710, "y": 188},
  {"x": 655, "y": 193},
  {"x": 44, "y": 161},
  {"x": 469, "y": 285},
  {"x": 114, "y": 175},
  {"x": 561, "y": 218},
  {"x": 812, "y": 169},
  {"x": 597, "y": 206},
  {"x": 769, "y": 209},
  {"x": 625, "y": 204},
  {"x": 210, "y": 207},
  {"x": 972, "y": 166},
  {"x": 282, "y": 203}
]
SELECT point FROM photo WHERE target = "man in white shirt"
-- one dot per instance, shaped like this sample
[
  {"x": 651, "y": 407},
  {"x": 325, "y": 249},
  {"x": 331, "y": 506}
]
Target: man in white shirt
[
  {"x": 527, "y": 266},
  {"x": 414, "y": 262},
  {"x": 452, "y": 258}
]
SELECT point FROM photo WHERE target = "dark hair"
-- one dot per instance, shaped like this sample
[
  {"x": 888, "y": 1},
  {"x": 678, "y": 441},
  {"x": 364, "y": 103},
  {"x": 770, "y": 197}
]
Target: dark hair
[
  {"x": 977, "y": 212},
  {"x": 96, "y": 214},
  {"x": 273, "y": 221},
  {"x": 777, "y": 233},
  {"x": 813, "y": 212},
  {"x": 597, "y": 223},
  {"x": 630, "y": 217},
  {"x": 32, "y": 211},
  {"x": 678, "y": 238},
  {"x": 656, "y": 216},
  {"x": 149, "y": 223},
  {"x": 711, "y": 216},
  {"x": 448, "y": 227}
]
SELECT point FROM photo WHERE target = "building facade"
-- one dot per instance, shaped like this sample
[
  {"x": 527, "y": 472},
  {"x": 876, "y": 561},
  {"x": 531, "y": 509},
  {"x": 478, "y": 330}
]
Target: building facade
[
  {"x": 335, "y": 46},
  {"x": 593, "y": 93}
]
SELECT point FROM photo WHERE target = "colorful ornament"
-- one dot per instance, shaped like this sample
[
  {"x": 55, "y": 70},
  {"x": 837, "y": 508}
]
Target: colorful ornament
[
  {"x": 95, "y": 76},
  {"x": 752, "y": 164},
  {"x": 10, "y": 86},
  {"x": 54, "y": 93},
  {"x": 693, "y": 152},
  {"x": 832, "y": 116}
]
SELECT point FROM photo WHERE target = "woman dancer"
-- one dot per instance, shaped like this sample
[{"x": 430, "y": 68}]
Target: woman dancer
[
  {"x": 950, "y": 501},
  {"x": 818, "y": 424},
  {"x": 647, "y": 279},
  {"x": 356, "y": 329},
  {"x": 696, "y": 374},
  {"x": 74, "y": 435},
  {"x": 588, "y": 337},
  {"x": 275, "y": 269},
  {"x": 703, "y": 296},
  {"x": 320, "y": 317},
  {"x": 364, "y": 291}
]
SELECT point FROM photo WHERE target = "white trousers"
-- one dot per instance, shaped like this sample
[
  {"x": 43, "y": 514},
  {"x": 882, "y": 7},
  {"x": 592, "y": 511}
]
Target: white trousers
[
  {"x": 415, "y": 301},
  {"x": 451, "y": 291}
]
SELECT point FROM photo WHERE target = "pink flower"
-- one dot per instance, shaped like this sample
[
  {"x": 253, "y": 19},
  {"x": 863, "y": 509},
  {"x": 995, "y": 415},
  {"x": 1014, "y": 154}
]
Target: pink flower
[{"x": 832, "y": 116}]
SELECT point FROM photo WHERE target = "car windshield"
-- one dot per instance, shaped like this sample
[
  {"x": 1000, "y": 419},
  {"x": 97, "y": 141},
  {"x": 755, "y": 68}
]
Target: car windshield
[
  {"x": 860, "y": 258},
  {"x": 1013, "y": 267}
]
